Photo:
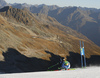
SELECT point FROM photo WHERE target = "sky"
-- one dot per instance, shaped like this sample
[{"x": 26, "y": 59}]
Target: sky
[{"x": 61, "y": 3}]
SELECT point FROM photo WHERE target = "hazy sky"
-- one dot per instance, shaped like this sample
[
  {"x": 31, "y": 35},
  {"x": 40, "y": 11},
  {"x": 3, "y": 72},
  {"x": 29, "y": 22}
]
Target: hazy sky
[{"x": 82, "y": 3}]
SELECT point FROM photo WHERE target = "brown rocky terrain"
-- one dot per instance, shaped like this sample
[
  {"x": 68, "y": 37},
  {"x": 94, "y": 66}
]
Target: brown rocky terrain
[{"x": 33, "y": 42}]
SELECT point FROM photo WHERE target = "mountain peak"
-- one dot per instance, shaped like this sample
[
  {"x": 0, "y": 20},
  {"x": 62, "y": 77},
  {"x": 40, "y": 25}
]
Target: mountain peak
[
  {"x": 19, "y": 15},
  {"x": 6, "y": 8},
  {"x": 3, "y": 3}
]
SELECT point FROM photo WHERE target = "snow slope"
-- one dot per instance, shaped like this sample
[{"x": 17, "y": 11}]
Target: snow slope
[{"x": 89, "y": 72}]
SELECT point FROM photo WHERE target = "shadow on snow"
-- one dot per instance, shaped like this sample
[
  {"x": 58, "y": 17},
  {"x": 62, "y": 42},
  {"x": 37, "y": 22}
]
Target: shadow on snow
[{"x": 15, "y": 62}]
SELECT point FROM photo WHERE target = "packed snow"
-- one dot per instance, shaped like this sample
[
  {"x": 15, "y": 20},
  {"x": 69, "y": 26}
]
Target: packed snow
[{"x": 88, "y": 72}]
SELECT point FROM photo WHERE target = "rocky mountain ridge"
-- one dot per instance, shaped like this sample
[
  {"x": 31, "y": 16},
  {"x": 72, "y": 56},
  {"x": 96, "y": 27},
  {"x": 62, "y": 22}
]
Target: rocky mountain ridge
[{"x": 83, "y": 20}]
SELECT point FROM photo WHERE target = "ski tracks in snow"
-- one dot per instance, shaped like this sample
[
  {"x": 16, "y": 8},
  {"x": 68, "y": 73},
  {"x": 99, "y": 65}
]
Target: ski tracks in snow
[{"x": 89, "y": 72}]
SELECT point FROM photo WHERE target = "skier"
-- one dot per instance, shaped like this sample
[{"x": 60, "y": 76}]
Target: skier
[{"x": 65, "y": 64}]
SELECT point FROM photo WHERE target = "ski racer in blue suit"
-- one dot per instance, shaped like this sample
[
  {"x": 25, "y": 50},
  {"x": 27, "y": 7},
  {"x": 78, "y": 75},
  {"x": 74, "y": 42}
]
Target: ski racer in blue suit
[{"x": 65, "y": 64}]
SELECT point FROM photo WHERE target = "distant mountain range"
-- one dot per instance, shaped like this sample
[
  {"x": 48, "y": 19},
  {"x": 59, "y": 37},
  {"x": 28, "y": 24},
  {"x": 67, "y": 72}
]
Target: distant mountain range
[{"x": 83, "y": 20}]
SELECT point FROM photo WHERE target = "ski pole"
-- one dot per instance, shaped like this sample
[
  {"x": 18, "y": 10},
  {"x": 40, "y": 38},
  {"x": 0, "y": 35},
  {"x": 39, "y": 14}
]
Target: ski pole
[{"x": 53, "y": 66}]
